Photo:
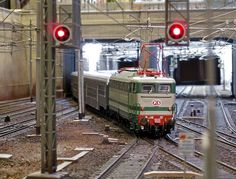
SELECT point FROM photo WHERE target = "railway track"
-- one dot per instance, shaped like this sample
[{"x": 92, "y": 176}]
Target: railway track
[
  {"x": 131, "y": 163},
  {"x": 16, "y": 101},
  {"x": 15, "y": 108},
  {"x": 27, "y": 108},
  {"x": 18, "y": 112},
  {"x": 223, "y": 143},
  {"x": 226, "y": 145},
  {"x": 228, "y": 119},
  {"x": 185, "y": 91},
  {"x": 197, "y": 91},
  {"x": 8, "y": 106},
  {"x": 192, "y": 163},
  {"x": 224, "y": 168},
  {"x": 221, "y": 132},
  {"x": 226, "y": 138},
  {"x": 200, "y": 119},
  {"x": 25, "y": 125},
  {"x": 22, "y": 120}
]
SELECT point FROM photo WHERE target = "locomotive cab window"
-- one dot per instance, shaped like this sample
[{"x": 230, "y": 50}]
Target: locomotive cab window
[
  {"x": 148, "y": 88},
  {"x": 163, "y": 88}
]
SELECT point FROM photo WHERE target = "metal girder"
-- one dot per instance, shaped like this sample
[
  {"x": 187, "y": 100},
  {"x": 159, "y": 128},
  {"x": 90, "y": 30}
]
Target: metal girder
[{"x": 48, "y": 97}]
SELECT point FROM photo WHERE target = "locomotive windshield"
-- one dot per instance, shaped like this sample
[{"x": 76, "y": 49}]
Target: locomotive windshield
[
  {"x": 148, "y": 88},
  {"x": 156, "y": 88},
  {"x": 164, "y": 88}
]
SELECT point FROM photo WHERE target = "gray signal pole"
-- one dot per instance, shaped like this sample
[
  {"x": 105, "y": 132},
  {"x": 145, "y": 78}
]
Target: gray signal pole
[
  {"x": 38, "y": 70},
  {"x": 30, "y": 64},
  {"x": 76, "y": 20}
]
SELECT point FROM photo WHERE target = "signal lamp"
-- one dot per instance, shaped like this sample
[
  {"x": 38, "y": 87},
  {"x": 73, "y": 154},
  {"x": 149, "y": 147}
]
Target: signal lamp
[
  {"x": 62, "y": 34},
  {"x": 176, "y": 32}
]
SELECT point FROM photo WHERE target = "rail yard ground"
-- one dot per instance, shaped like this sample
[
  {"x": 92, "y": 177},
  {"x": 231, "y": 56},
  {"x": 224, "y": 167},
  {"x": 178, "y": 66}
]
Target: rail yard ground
[
  {"x": 100, "y": 143},
  {"x": 71, "y": 134}
]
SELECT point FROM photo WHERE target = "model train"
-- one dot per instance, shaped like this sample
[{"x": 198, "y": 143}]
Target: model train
[{"x": 142, "y": 100}]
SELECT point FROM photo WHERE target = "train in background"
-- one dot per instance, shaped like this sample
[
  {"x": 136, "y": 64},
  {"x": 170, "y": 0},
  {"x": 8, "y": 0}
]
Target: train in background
[{"x": 144, "y": 101}]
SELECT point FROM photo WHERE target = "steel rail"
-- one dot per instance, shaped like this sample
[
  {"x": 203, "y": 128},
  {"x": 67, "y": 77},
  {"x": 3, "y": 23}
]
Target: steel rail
[
  {"x": 105, "y": 172},
  {"x": 218, "y": 133},
  {"x": 231, "y": 128},
  {"x": 9, "y": 102},
  {"x": 181, "y": 159},
  {"x": 233, "y": 169},
  {"x": 140, "y": 174},
  {"x": 202, "y": 155}
]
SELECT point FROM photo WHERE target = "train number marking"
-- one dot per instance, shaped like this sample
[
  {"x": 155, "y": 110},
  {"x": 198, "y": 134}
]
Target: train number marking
[{"x": 156, "y": 102}]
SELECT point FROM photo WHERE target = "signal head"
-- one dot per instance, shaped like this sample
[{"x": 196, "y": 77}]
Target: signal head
[
  {"x": 176, "y": 31},
  {"x": 62, "y": 33}
]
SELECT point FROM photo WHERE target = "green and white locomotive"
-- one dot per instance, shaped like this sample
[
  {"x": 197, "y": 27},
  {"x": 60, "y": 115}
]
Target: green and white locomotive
[{"x": 142, "y": 100}]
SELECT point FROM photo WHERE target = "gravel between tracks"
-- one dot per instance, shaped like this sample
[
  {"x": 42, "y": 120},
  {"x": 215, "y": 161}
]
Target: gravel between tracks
[{"x": 27, "y": 153}]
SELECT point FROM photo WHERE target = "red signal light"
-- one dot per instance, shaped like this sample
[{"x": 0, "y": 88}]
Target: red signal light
[
  {"x": 62, "y": 33},
  {"x": 176, "y": 32}
]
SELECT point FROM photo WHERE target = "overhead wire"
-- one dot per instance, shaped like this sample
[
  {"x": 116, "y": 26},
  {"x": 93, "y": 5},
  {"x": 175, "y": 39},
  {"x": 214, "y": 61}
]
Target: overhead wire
[
  {"x": 214, "y": 9},
  {"x": 125, "y": 26},
  {"x": 115, "y": 20},
  {"x": 215, "y": 17},
  {"x": 8, "y": 15},
  {"x": 212, "y": 18},
  {"x": 2, "y": 1}
]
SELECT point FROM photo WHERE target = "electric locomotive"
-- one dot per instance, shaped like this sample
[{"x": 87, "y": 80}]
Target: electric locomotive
[
  {"x": 142, "y": 100},
  {"x": 145, "y": 99}
]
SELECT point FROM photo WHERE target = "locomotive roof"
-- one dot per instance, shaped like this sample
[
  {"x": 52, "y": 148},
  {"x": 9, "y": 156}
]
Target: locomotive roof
[{"x": 132, "y": 76}]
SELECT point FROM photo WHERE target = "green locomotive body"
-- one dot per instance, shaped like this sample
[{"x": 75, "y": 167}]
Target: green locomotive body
[{"x": 145, "y": 100}]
